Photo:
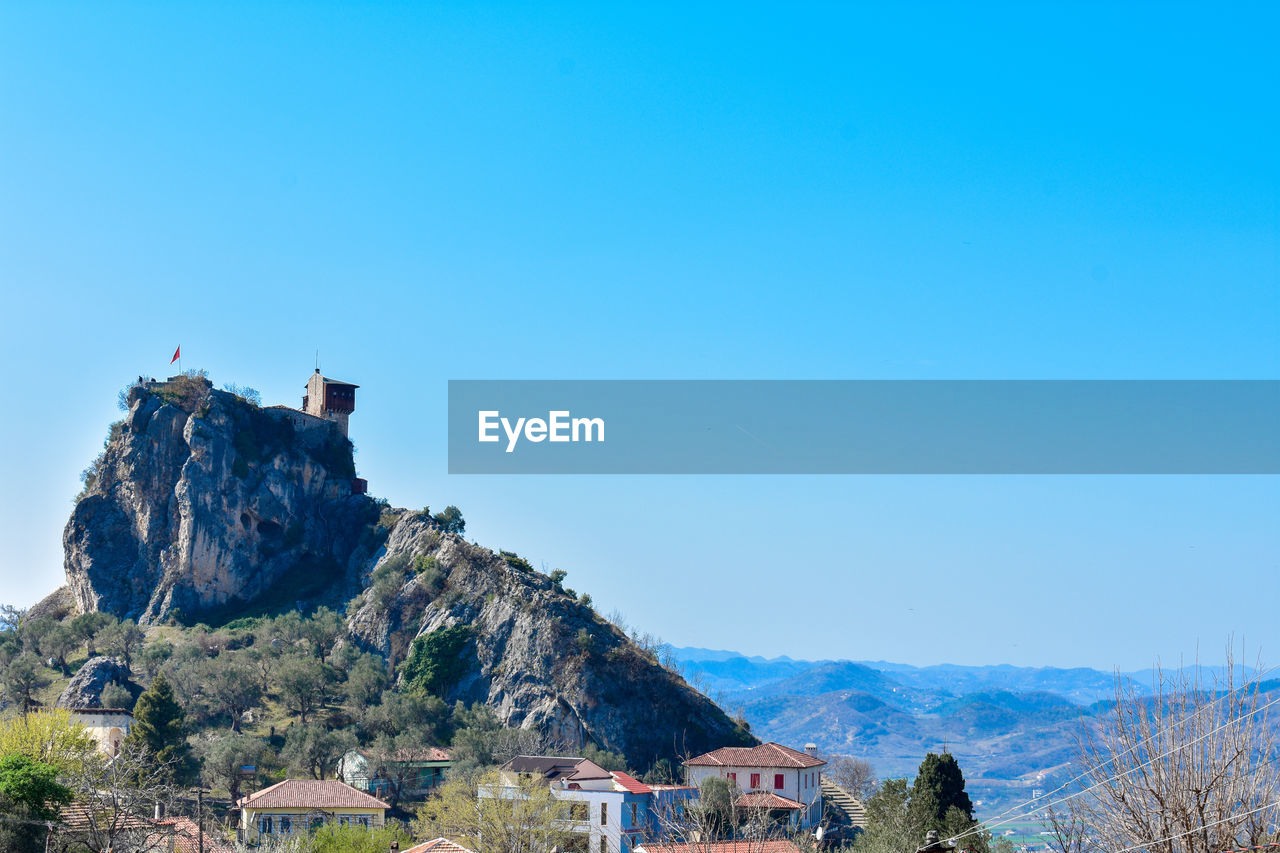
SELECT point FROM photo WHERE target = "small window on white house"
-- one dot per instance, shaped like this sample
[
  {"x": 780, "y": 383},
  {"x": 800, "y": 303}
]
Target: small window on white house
[{"x": 264, "y": 824}]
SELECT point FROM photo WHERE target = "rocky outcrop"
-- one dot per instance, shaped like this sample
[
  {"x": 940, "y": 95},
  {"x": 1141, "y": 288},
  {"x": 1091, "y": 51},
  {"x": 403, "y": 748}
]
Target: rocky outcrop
[
  {"x": 538, "y": 656},
  {"x": 58, "y": 605},
  {"x": 203, "y": 502},
  {"x": 85, "y": 689},
  {"x": 206, "y": 504}
]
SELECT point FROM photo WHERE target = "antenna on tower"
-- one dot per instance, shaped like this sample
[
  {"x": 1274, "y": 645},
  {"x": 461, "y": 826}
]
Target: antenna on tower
[{"x": 317, "y": 359}]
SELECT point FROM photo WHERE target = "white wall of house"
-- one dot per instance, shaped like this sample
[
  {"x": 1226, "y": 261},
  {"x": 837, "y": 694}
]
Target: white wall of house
[
  {"x": 803, "y": 786},
  {"x": 608, "y": 814}
]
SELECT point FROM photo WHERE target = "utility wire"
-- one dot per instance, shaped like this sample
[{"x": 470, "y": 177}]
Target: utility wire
[
  {"x": 1254, "y": 680},
  {"x": 1145, "y": 844},
  {"x": 1037, "y": 802}
]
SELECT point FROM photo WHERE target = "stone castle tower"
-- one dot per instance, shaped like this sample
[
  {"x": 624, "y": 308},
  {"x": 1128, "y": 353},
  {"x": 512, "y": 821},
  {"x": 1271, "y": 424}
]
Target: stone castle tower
[{"x": 330, "y": 399}]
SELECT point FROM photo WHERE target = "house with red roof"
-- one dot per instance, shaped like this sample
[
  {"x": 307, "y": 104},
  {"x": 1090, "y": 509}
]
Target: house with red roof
[
  {"x": 295, "y": 806},
  {"x": 612, "y": 810},
  {"x": 438, "y": 845},
  {"x": 778, "y": 782}
]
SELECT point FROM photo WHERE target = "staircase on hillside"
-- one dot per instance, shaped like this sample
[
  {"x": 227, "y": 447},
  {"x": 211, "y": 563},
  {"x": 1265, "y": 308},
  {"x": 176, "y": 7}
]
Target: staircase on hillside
[{"x": 842, "y": 806}]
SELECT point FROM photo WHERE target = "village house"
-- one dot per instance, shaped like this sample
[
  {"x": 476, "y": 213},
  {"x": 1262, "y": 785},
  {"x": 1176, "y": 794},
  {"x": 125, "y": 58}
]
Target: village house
[
  {"x": 780, "y": 845},
  {"x": 437, "y": 845},
  {"x": 403, "y": 773},
  {"x": 774, "y": 780},
  {"x": 295, "y": 806},
  {"x": 108, "y": 726},
  {"x": 611, "y": 812}
]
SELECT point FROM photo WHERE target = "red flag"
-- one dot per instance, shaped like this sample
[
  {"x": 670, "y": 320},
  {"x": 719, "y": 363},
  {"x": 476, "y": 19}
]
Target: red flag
[{"x": 177, "y": 354}]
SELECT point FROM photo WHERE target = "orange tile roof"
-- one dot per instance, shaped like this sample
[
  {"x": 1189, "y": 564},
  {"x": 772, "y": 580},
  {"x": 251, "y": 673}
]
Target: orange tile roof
[
  {"x": 765, "y": 800},
  {"x": 438, "y": 845},
  {"x": 186, "y": 837},
  {"x": 630, "y": 783},
  {"x": 765, "y": 755},
  {"x": 310, "y": 794}
]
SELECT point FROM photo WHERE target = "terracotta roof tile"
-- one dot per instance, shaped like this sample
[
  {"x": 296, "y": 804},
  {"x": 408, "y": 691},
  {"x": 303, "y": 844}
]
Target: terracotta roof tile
[
  {"x": 631, "y": 784},
  {"x": 438, "y": 845},
  {"x": 766, "y": 800},
  {"x": 765, "y": 755},
  {"x": 310, "y": 794}
]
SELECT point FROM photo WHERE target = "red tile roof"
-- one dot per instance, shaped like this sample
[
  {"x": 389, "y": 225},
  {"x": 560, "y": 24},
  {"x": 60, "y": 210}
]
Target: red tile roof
[
  {"x": 186, "y": 837},
  {"x": 765, "y": 755},
  {"x": 310, "y": 794},
  {"x": 765, "y": 800},
  {"x": 631, "y": 784},
  {"x": 780, "y": 845},
  {"x": 438, "y": 845}
]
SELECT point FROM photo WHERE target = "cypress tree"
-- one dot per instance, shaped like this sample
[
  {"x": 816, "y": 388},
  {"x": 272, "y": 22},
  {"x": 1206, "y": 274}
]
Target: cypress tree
[
  {"x": 160, "y": 725},
  {"x": 939, "y": 786}
]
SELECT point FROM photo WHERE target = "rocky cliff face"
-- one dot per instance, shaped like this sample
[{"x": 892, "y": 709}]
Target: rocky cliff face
[
  {"x": 206, "y": 504},
  {"x": 539, "y": 657},
  {"x": 202, "y": 501}
]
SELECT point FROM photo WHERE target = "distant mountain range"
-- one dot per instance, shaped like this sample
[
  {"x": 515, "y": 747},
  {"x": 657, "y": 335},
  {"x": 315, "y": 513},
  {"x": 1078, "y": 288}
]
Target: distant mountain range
[{"x": 1012, "y": 728}]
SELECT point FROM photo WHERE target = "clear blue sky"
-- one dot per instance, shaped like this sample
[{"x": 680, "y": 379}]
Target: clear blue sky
[{"x": 428, "y": 192}]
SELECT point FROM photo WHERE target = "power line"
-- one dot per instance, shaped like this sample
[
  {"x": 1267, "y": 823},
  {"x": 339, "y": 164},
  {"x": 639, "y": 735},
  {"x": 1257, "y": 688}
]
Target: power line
[
  {"x": 1145, "y": 844},
  {"x": 1254, "y": 680},
  {"x": 987, "y": 826}
]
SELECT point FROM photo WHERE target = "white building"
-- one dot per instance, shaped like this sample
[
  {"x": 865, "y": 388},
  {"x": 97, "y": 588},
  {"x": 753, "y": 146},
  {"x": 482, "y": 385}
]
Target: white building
[
  {"x": 109, "y": 726},
  {"x": 611, "y": 811},
  {"x": 771, "y": 778}
]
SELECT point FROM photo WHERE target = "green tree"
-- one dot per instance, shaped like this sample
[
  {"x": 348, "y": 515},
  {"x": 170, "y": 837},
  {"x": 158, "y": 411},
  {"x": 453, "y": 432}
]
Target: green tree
[
  {"x": 450, "y": 521},
  {"x": 436, "y": 660},
  {"x": 160, "y": 727},
  {"x": 87, "y": 626},
  {"x": 223, "y": 758},
  {"x": 29, "y": 793},
  {"x": 121, "y": 640},
  {"x": 940, "y": 781},
  {"x": 23, "y": 678},
  {"x": 315, "y": 750},
  {"x": 366, "y": 679},
  {"x": 33, "y": 786},
  {"x": 525, "y": 819},
  {"x": 304, "y": 684},
  {"x": 229, "y": 687},
  {"x": 333, "y": 838},
  {"x": 56, "y": 643},
  {"x": 892, "y": 825}
]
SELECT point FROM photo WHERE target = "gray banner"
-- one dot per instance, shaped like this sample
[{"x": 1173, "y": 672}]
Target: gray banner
[{"x": 863, "y": 427}]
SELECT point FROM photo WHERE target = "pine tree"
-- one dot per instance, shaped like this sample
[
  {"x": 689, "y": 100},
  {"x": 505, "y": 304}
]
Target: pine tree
[{"x": 160, "y": 725}]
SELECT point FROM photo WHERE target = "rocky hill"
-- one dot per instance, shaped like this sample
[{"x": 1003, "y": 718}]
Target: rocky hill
[
  {"x": 203, "y": 502},
  {"x": 205, "y": 507}
]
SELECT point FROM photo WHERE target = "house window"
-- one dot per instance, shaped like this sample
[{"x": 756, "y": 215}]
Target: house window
[
  {"x": 635, "y": 814},
  {"x": 778, "y": 784},
  {"x": 264, "y": 824},
  {"x": 286, "y": 825},
  {"x": 578, "y": 811},
  {"x": 755, "y": 780},
  {"x": 604, "y": 815},
  {"x": 604, "y": 844},
  {"x": 733, "y": 778}
]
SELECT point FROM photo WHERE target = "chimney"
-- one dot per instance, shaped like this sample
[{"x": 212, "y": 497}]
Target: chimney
[
  {"x": 811, "y": 749},
  {"x": 159, "y": 811}
]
